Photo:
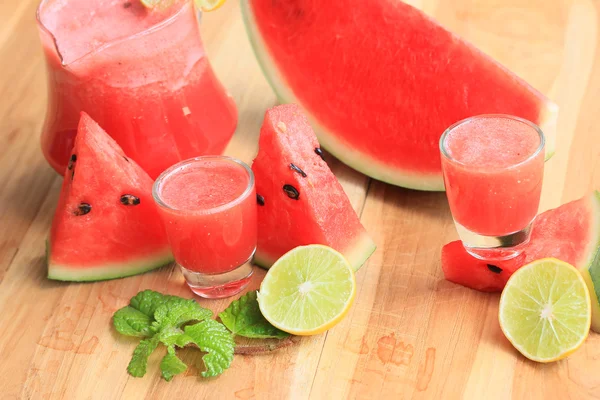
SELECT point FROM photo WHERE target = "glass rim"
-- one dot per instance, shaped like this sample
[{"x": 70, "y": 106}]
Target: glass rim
[
  {"x": 534, "y": 154},
  {"x": 182, "y": 164},
  {"x": 151, "y": 29}
]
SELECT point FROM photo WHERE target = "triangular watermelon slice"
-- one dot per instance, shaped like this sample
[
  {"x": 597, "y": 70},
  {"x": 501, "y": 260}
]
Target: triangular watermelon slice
[
  {"x": 300, "y": 200},
  {"x": 381, "y": 81},
  {"x": 570, "y": 233},
  {"x": 106, "y": 224}
]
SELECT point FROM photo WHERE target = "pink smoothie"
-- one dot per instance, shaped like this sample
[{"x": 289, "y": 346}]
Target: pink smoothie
[
  {"x": 209, "y": 211},
  {"x": 493, "y": 174},
  {"x": 142, "y": 74}
]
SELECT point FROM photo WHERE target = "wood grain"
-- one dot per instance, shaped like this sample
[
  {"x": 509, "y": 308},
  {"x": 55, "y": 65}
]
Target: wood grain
[{"x": 410, "y": 333}]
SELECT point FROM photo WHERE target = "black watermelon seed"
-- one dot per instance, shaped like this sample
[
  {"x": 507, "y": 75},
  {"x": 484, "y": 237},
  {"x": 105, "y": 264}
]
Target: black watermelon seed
[
  {"x": 291, "y": 191},
  {"x": 127, "y": 4},
  {"x": 72, "y": 161},
  {"x": 320, "y": 153},
  {"x": 494, "y": 268},
  {"x": 126, "y": 159},
  {"x": 260, "y": 200},
  {"x": 82, "y": 209},
  {"x": 294, "y": 167},
  {"x": 130, "y": 200}
]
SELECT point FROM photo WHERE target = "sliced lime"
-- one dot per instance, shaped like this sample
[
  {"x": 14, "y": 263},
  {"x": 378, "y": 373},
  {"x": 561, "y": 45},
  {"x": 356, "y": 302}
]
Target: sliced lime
[
  {"x": 545, "y": 310},
  {"x": 308, "y": 290}
]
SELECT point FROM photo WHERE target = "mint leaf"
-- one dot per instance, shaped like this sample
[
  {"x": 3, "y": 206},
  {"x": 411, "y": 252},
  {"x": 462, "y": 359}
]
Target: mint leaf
[
  {"x": 168, "y": 336},
  {"x": 243, "y": 318},
  {"x": 177, "y": 311},
  {"x": 139, "y": 361},
  {"x": 137, "y": 318},
  {"x": 171, "y": 365},
  {"x": 131, "y": 322},
  {"x": 148, "y": 301},
  {"x": 214, "y": 339}
]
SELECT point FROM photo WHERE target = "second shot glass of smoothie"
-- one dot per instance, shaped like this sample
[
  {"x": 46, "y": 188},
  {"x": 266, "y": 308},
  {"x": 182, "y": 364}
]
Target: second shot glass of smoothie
[
  {"x": 493, "y": 167},
  {"x": 208, "y": 206}
]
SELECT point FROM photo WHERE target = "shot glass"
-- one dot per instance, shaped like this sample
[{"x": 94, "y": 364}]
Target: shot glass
[
  {"x": 493, "y": 167},
  {"x": 208, "y": 206}
]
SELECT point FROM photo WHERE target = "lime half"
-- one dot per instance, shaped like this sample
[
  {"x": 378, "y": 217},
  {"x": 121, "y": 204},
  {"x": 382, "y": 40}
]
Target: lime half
[
  {"x": 308, "y": 290},
  {"x": 545, "y": 310}
]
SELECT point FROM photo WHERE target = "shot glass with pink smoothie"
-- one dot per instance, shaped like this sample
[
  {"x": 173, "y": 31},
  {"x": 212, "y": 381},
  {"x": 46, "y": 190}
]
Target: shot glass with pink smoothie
[
  {"x": 208, "y": 206},
  {"x": 493, "y": 167}
]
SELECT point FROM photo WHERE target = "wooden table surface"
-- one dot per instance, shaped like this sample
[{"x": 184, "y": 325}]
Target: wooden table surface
[{"x": 410, "y": 334}]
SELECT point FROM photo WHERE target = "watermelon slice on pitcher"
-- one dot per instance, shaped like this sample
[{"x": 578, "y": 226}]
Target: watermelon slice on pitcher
[
  {"x": 380, "y": 81},
  {"x": 106, "y": 225},
  {"x": 570, "y": 233},
  {"x": 300, "y": 201}
]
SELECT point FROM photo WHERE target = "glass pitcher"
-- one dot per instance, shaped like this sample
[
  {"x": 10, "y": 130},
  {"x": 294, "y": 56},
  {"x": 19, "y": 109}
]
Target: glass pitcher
[{"x": 145, "y": 78}]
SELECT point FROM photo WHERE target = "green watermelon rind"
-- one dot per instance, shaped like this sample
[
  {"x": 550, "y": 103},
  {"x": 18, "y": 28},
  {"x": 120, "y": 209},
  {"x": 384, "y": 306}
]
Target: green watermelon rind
[
  {"x": 349, "y": 156},
  {"x": 356, "y": 254},
  {"x": 591, "y": 267},
  {"x": 75, "y": 273}
]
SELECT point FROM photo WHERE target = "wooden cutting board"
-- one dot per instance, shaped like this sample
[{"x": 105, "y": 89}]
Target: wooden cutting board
[{"x": 410, "y": 334}]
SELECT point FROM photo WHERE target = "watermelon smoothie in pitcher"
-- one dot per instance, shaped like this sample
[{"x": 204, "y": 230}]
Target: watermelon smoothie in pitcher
[
  {"x": 141, "y": 73},
  {"x": 493, "y": 167},
  {"x": 208, "y": 207}
]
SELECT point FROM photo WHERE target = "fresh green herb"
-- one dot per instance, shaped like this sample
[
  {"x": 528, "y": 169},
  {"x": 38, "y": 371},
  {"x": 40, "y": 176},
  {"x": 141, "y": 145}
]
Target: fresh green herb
[
  {"x": 139, "y": 362},
  {"x": 211, "y": 337},
  {"x": 243, "y": 318},
  {"x": 159, "y": 319},
  {"x": 171, "y": 365},
  {"x": 177, "y": 322},
  {"x": 177, "y": 311}
]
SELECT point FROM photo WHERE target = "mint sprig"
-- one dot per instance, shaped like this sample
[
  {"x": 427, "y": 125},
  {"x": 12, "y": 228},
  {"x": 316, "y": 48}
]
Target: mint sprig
[
  {"x": 176, "y": 322},
  {"x": 159, "y": 319},
  {"x": 243, "y": 318}
]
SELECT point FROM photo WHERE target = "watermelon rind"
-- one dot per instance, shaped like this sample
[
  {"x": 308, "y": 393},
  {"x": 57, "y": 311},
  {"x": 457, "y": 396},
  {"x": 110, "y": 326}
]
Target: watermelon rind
[
  {"x": 351, "y": 156},
  {"x": 356, "y": 254},
  {"x": 590, "y": 268},
  {"x": 106, "y": 271}
]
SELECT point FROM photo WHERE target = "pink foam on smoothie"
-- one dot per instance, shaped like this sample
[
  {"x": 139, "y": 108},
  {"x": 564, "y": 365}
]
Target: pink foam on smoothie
[
  {"x": 82, "y": 26},
  {"x": 205, "y": 185},
  {"x": 492, "y": 142}
]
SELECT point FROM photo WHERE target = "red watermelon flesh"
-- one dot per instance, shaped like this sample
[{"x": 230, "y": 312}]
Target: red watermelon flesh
[
  {"x": 381, "y": 81},
  {"x": 106, "y": 224},
  {"x": 570, "y": 233},
  {"x": 301, "y": 202}
]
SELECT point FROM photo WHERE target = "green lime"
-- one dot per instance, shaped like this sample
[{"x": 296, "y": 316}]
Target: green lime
[
  {"x": 545, "y": 310},
  {"x": 308, "y": 290}
]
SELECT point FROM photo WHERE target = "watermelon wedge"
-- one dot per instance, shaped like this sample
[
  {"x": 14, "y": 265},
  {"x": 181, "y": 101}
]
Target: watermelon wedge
[
  {"x": 105, "y": 225},
  {"x": 300, "y": 201},
  {"x": 570, "y": 233},
  {"x": 380, "y": 81}
]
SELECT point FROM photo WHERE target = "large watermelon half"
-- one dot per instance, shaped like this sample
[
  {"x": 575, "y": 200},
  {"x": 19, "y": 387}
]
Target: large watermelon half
[
  {"x": 381, "y": 81},
  {"x": 570, "y": 233},
  {"x": 106, "y": 224},
  {"x": 300, "y": 201}
]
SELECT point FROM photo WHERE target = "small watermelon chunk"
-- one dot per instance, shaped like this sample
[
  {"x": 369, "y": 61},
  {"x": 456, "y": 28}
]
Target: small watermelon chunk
[
  {"x": 570, "y": 233},
  {"x": 300, "y": 201},
  {"x": 462, "y": 268},
  {"x": 106, "y": 225}
]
